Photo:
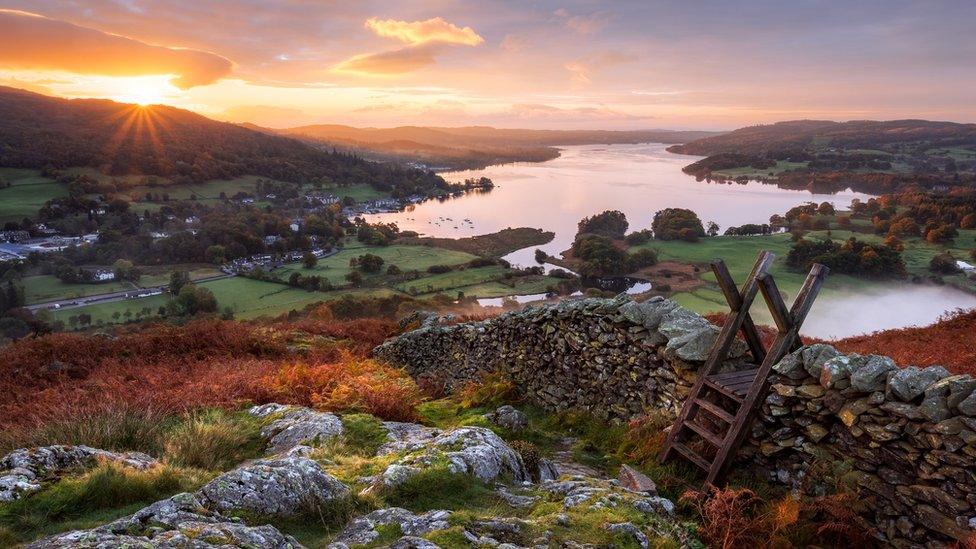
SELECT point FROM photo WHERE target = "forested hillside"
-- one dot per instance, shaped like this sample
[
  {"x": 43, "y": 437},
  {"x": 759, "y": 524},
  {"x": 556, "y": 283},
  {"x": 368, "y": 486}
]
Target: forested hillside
[
  {"x": 859, "y": 134},
  {"x": 38, "y": 131}
]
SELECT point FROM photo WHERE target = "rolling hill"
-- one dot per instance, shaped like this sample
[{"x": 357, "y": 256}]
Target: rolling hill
[
  {"x": 472, "y": 146},
  {"x": 38, "y": 131},
  {"x": 806, "y": 134}
]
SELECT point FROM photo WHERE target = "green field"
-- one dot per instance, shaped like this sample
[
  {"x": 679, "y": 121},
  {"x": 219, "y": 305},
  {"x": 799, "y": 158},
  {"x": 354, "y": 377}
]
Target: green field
[
  {"x": 740, "y": 252},
  {"x": 755, "y": 173},
  {"x": 956, "y": 153},
  {"x": 41, "y": 288},
  {"x": 359, "y": 193},
  {"x": 27, "y": 193},
  {"x": 407, "y": 258}
]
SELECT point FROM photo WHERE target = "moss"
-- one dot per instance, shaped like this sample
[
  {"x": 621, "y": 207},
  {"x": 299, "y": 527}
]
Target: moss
[
  {"x": 451, "y": 538},
  {"x": 363, "y": 434},
  {"x": 438, "y": 488}
]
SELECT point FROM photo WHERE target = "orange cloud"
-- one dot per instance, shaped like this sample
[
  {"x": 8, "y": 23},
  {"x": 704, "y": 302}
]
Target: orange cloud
[
  {"x": 34, "y": 42},
  {"x": 422, "y": 32}
]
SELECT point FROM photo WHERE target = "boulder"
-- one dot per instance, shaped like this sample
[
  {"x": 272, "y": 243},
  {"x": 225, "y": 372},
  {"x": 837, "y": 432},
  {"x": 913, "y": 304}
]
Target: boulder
[
  {"x": 282, "y": 487},
  {"x": 632, "y": 479},
  {"x": 871, "y": 373},
  {"x": 291, "y": 426},
  {"x": 507, "y": 417},
  {"x": 363, "y": 530},
  {"x": 23, "y": 470},
  {"x": 469, "y": 450},
  {"x": 910, "y": 383},
  {"x": 406, "y": 437}
]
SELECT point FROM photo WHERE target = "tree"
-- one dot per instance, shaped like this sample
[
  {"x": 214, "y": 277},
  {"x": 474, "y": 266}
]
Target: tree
[
  {"x": 669, "y": 223},
  {"x": 178, "y": 279},
  {"x": 713, "y": 228},
  {"x": 370, "y": 263},
  {"x": 944, "y": 263},
  {"x": 125, "y": 270},
  {"x": 355, "y": 278},
  {"x": 216, "y": 254},
  {"x": 309, "y": 260},
  {"x": 599, "y": 256},
  {"x": 610, "y": 223},
  {"x": 191, "y": 301}
]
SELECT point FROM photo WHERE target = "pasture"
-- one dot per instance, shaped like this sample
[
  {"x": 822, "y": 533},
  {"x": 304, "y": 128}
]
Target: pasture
[{"x": 26, "y": 194}]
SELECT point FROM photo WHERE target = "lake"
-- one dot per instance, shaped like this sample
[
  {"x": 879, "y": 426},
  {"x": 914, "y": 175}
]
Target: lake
[
  {"x": 640, "y": 180},
  {"x": 555, "y": 195}
]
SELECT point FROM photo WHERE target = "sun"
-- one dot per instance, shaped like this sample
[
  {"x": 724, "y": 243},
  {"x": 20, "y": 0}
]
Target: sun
[{"x": 142, "y": 90}]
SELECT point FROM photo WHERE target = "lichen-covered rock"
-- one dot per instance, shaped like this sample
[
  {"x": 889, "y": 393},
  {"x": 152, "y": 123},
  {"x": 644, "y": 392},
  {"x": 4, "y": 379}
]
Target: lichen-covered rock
[
  {"x": 467, "y": 450},
  {"x": 406, "y": 437},
  {"x": 362, "y": 530},
  {"x": 632, "y": 479},
  {"x": 690, "y": 337},
  {"x": 871, "y": 373},
  {"x": 413, "y": 542},
  {"x": 295, "y": 425},
  {"x": 909, "y": 383},
  {"x": 507, "y": 417},
  {"x": 282, "y": 487},
  {"x": 181, "y": 521},
  {"x": 23, "y": 470}
]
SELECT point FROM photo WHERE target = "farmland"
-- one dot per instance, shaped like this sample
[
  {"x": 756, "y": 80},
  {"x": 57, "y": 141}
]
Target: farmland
[{"x": 27, "y": 193}]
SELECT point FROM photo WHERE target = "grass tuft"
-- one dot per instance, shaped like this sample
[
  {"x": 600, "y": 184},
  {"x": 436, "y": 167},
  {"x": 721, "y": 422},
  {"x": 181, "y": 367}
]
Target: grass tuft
[{"x": 213, "y": 440}]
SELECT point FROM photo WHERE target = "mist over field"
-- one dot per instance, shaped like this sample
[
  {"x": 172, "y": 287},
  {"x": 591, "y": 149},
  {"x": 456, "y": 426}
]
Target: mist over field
[{"x": 882, "y": 307}]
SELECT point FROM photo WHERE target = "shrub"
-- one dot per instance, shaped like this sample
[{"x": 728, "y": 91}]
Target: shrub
[
  {"x": 944, "y": 263},
  {"x": 493, "y": 390},
  {"x": 641, "y": 259},
  {"x": 729, "y": 517},
  {"x": 600, "y": 256},
  {"x": 213, "y": 440},
  {"x": 439, "y": 269},
  {"x": 639, "y": 237},
  {"x": 348, "y": 385},
  {"x": 530, "y": 456}
]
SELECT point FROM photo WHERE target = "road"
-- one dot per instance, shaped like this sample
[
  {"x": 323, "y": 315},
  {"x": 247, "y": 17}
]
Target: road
[{"x": 111, "y": 296}]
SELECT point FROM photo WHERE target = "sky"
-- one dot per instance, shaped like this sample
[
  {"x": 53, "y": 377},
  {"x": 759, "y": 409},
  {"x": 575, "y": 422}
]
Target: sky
[{"x": 519, "y": 64}]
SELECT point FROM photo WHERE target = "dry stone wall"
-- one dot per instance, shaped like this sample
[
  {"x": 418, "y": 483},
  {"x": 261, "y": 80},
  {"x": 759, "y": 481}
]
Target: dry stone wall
[
  {"x": 907, "y": 435},
  {"x": 612, "y": 357}
]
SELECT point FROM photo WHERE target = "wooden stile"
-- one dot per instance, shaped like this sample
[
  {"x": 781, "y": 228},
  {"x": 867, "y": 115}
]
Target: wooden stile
[{"x": 705, "y": 412}]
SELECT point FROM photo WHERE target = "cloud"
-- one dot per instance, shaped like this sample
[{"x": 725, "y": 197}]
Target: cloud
[
  {"x": 539, "y": 111},
  {"x": 425, "y": 39},
  {"x": 398, "y": 61},
  {"x": 422, "y": 32},
  {"x": 265, "y": 115},
  {"x": 585, "y": 24},
  {"x": 582, "y": 70},
  {"x": 34, "y": 42}
]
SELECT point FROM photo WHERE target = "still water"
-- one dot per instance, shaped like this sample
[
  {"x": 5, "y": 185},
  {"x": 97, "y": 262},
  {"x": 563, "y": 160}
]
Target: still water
[
  {"x": 635, "y": 179},
  {"x": 640, "y": 180}
]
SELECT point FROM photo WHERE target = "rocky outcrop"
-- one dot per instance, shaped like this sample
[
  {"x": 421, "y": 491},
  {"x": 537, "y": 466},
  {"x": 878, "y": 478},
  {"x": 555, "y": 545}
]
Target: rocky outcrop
[
  {"x": 466, "y": 450},
  {"x": 289, "y": 426},
  {"x": 363, "y": 530},
  {"x": 180, "y": 521},
  {"x": 613, "y": 357},
  {"x": 507, "y": 417},
  {"x": 282, "y": 487},
  {"x": 906, "y": 433},
  {"x": 23, "y": 470}
]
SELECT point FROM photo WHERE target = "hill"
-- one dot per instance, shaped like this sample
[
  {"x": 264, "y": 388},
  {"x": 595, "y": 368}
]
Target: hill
[
  {"x": 38, "y": 131},
  {"x": 806, "y": 134},
  {"x": 473, "y": 146}
]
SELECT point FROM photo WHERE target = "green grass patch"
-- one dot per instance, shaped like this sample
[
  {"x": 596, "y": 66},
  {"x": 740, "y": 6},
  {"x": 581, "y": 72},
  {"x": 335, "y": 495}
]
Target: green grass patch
[
  {"x": 41, "y": 288},
  {"x": 756, "y": 173},
  {"x": 118, "y": 429},
  {"x": 27, "y": 193},
  {"x": 92, "y": 496},
  {"x": 438, "y": 488},
  {"x": 363, "y": 434}
]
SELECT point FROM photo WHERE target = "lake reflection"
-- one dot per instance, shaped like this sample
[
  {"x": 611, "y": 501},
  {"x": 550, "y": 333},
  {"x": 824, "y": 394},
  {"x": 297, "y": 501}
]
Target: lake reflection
[{"x": 635, "y": 179}]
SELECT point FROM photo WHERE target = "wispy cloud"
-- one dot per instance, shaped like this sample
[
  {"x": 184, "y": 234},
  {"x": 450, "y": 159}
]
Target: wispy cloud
[
  {"x": 422, "y": 32},
  {"x": 424, "y": 39},
  {"x": 585, "y": 24},
  {"x": 34, "y": 42}
]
